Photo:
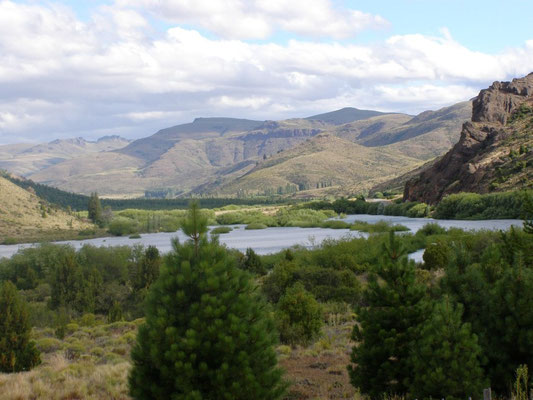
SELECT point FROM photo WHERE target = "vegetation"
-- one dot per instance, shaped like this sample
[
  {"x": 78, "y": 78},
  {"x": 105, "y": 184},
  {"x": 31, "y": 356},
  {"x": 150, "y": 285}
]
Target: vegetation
[
  {"x": 79, "y": 202},
  {"x": 483, "y": 206},
  {"x": 474, "y": 292},
  {"x": 299, "y": 316},
  {"x": 393, "y": 312},
  {"x": 94, "y": 209},
  {"x": 17, "y": 351},
  {"x": 220, "y": 230},
  {"x": 206, "y": 333},
  {"x": 360, "y": 206}
]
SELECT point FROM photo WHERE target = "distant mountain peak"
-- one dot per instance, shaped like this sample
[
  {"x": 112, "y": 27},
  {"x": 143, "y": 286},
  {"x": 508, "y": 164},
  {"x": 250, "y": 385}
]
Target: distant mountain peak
[{"x": 345, "y": 115}]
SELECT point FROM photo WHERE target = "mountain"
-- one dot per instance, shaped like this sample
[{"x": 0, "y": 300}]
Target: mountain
[
  {"x": 24, "y": 215},
  {"x": 345, "y": 115},
  {"x": 495, "y": 149},
  {"x": 227, "y": 155},
  {"x": 25, "y": 159},
  {"x": 152, "y": 147}
]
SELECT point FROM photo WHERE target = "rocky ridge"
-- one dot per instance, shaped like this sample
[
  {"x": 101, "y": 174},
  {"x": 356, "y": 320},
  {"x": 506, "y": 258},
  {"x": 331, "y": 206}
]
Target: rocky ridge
[{"x": 495, "y": 149}]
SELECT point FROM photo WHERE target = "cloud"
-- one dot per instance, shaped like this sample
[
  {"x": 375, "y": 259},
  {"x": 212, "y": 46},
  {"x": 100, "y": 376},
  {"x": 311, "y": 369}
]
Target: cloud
[
  {"x": 258, "y": 19},
  {"x": 115, "y": 74}
]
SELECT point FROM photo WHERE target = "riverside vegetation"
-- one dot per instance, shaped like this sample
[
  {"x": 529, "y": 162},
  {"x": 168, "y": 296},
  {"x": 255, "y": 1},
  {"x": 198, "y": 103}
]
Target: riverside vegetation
[{"x": 465, "y": 312}]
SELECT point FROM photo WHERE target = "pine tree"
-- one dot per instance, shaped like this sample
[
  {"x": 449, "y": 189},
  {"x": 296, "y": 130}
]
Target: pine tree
[
  {"x": 528, "y": 213},
  {"x": 253, "y": 263},
  {"x": 207, "y": 334},
  {"x": 387, "y": 326},
  {"x": 17, "y": 352},
  {"x": 95, "y": 209},
  {"x": 148, "y": 268},
  {"x": 445, "y": 361}
]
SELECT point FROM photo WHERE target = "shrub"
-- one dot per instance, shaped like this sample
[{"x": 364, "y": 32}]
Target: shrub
[
  {"x": 48, "y": 345},
  {"x": 299, "y": 316},
  {"x": 255, "y": 225},
  {"x": 335, "y": 224},
  {"x": 221, "y": 230},
  {"x": 436, "y": 256},
  {"x": 120, "y": 226}
]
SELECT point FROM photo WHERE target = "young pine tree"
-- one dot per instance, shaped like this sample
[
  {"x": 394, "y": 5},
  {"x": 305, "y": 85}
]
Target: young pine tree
[
  {"x": 207, "y": 334},
  {"x": 17, "y": 352},
  {"x": 445, "y": 361},
  {"x": 388, "y": 325},
  {"x": 95, "y": 209}
]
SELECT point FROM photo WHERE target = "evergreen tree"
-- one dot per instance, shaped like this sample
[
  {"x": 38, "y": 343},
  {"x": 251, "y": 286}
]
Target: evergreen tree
[
  {"x": 148, "y": 268},
  {"x": 528, "y": 213},
  {"x": 387, "y": 326},
  {"x": 17, "y": 352},
  {"x": 207, "y": 334},
  {"x": 252, "y": 262},
  {"x": 510, "y": 325},
  {"x": 95, "y": 209},
  {"x": 445, "y": 361}
]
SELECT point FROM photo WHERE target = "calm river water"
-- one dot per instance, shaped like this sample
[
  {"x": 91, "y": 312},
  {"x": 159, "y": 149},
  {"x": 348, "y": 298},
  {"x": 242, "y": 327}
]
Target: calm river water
[{"x": 271, "y": 240}]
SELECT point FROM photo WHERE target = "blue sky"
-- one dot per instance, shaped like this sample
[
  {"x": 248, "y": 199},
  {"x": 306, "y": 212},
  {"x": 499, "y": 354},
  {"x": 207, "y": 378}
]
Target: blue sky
[{"x": 130, "y": 67}]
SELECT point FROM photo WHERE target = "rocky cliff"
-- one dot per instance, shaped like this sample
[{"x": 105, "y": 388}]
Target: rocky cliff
[{"x": 494, "y": 152}]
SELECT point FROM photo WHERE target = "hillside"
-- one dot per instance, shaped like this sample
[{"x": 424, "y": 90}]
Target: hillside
[
  {"x": 25, "y": 159},
  {"x": 226, "y": 155},
  {"x": 495, "y": 150},
  {"x": 322, "y": 164},
  {"x": 24, "y": 215}
]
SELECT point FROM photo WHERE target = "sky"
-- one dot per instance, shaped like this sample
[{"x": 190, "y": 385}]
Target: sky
[{"x": 91, "y": 68}]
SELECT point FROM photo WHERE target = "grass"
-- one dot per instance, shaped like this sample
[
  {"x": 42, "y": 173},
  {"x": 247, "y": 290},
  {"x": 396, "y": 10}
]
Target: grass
[
  {"x": 26, "y": 218},
  {"x": 92, "y": 362}
]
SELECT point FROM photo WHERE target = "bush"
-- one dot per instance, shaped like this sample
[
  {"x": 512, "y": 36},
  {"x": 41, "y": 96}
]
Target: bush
[
  {"x": 335, "y": 224},
  {"x": 436, "y": 256},
  {"x": 120, "y": 226},
  {"x": 255, "y": 225},
  {"x": 221, "y": 230},
  {"x": 299, "y": 316},
  {"x": 48, "y": 345}
]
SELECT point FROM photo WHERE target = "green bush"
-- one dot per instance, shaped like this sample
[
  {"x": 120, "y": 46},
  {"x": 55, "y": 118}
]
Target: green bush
[
  {"x": 299, "y": 316},
  {"x": 436, "y": 256},
  {"x": 49, "y": 345},
  {"x": 221, "y": 230},
  {"x": 121, "y": 226},
  {"x": 255, "y": 225},
  {"x": 335, "y": 224}
]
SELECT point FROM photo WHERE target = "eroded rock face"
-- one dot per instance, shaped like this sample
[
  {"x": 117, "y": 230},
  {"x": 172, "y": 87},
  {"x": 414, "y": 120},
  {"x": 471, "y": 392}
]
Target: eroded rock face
[
  {"x": 471, "y": 164},
  {"x": 499, "y": 101}
]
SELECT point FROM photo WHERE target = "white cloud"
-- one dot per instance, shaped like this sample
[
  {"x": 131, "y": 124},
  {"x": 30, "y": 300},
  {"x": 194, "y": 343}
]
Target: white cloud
[
  {"x": 258, "y": 19},
  {"x": 63, "y": 77}
]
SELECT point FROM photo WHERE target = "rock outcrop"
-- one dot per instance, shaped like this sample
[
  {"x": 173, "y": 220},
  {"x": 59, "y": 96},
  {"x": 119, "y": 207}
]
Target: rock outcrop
[{"x": 494, "y": 152}]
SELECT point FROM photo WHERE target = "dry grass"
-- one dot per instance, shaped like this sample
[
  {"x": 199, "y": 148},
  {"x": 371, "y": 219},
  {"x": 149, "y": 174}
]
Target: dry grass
[
  {"x": 22, "y": 215},
  {"x": 92, "y": 362}
]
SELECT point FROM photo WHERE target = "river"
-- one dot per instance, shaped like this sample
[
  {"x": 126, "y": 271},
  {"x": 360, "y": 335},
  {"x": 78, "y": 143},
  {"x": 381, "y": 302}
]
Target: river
[{"x": 272, "y": 240}]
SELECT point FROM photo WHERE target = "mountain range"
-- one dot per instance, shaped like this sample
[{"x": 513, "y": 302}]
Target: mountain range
[{"x": 340, "y": 152}]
